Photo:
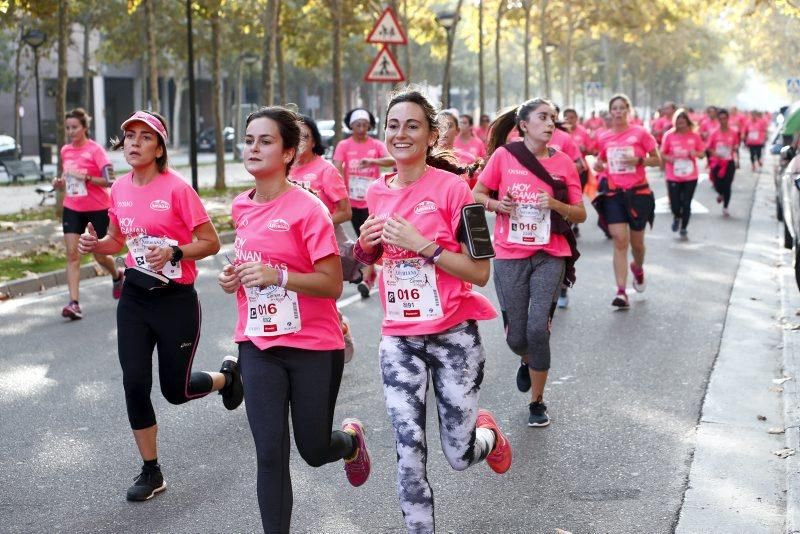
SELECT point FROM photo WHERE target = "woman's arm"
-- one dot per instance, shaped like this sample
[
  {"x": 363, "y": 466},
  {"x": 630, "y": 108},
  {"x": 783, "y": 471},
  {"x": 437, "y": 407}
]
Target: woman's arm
[
  {"x": 325, "y": 281},
  {"x": 481, "y": 195},
  {"x": 205, "y": 243},
  {"x": 110, "y": 244},
  {"x": 342, "y": 211}
]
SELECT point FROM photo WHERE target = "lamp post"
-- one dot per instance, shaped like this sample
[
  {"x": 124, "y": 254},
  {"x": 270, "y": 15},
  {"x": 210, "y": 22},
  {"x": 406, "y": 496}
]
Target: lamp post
[
  {"x": 248, "y": 58},
  {"x": 447, "y": 20},
  {"x": 35, "y": 39}
]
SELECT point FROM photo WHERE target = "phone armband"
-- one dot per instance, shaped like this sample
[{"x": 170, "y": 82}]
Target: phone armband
[{"x": 474, "y": 232}]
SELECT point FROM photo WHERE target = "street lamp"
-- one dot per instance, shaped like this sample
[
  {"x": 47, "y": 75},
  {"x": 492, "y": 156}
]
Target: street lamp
[
  {"x": 248, "y": 58},
  {"x": 35, "y": 39},
  {"x": 448, "y": 21}
]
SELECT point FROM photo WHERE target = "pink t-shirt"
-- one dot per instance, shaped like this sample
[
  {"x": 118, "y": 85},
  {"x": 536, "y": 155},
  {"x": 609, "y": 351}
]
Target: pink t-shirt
[
  {"x": 681, "y": 146},
  {"x": 661, "y": 125},
  {"x": 323, "y": 179},
  {"x": 756, "y": 132},
  {"x": 166, "y": 207},
  {"x": 504, "y": 173},
  {"x": 89, "y": 158},
  {"x": 433, "y": 205},
  {"x": 474, "y": 146},
  {"x": 722, "y": 144},
  {"x": 707, "y": 125},
  {"x": 582, "y": 139},
  {"x": 563, "y": 142},
  {"x": 356, "y": 179},
  {"x": 293, "y": 232},
  {"x": 634, "y": 141},
  {"x": 594, "y": 123}
]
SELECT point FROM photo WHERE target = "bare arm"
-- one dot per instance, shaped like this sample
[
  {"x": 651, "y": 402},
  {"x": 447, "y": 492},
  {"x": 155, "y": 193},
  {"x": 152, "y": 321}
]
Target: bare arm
[
  {"x": 342, "y": 211},
  {"x": 325, "y": 281}
]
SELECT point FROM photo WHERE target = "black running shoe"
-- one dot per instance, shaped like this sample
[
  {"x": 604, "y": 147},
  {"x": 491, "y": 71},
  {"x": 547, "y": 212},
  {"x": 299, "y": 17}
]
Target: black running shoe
[
  {"x": 523, "y": 378},
  {"x": 675, "y": 224},
  {"x": 149, "y": 482},
  {"x": 538, "y": 414},
  {"x": 233, "y": 392}
]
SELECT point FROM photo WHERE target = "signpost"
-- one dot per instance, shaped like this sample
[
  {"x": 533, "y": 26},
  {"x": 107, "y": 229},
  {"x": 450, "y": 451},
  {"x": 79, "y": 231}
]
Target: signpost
[
  {"x": 594, "y": 89},
  {"x": 384, "y": 68},
  {"x": 387, "y": 30},
  {"x": 793, "y": 85}
]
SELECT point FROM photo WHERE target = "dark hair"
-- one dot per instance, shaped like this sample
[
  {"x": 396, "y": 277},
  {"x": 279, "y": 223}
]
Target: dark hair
[
  {"x": 439, "y": 158},
  {"x": 485, "y": 117},
  {"x": 570, "y": 110},
  {"x": 620, "y": 96},
  {"x": 79, "y": 113},
  {"x": 162, "y": 162},
  {"x": 448, "y": 115},
  {"x": 468, "y": 117},
  {"x": 372, "y": 121},
  {"x": 287, "y": 126},
  {"x": 319, "y": 148},
  {"x": 680, "y": 112},
  {"x": 723, "y": 111},
  {"x": 510, "y": 119}
]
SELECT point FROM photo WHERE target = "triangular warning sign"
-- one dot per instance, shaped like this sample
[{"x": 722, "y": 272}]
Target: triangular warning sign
[
  {"x": 387, "y": 30},
  {"x": 384, "y": 68}
]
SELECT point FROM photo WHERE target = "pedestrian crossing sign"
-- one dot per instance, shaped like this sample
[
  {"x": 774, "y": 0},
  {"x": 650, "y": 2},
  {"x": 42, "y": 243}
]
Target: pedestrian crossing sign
[
  {"x": 793, "y": 85},
  {"x": 594, "y": 88},
  {"x": 387, "y": 30},
  {"x": 384, "y": 68}
]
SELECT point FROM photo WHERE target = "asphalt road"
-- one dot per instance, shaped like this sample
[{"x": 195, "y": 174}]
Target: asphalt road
[{"x": 624, "y": 396}]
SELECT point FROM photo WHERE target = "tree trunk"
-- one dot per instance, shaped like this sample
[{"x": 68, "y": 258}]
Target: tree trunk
[
  {"x": 527, "y": 5},
  {"x": 407, "y": 48},
  {"x": 451, "y": 37},
  {"x": 87, "y": 80},
  {"x": 500, "y": 11},
  {"x": 282, "y": 90},
  {"x": 268, "y": 57},
  {"x": 152, "y": 52},
  {"x": 175, "y": 133},
  {"x": 61, "y": 89},
  {"x": 543, "y": 39},
  {"x": 18, "y": 89},
  {"x": 216, "y": 100},
  {"x": 481, "y": 77},
  {"x": 336, "y": 19}
]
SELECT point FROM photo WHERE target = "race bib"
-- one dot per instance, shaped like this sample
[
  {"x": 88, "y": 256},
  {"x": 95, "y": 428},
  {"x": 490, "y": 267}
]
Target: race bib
[
  {"x": 409, "y": 286},
  {"x": 358, "y": 187},
  {"x": 723, "y": 151},
  {"x": 272, "y": 311},
  {"x": 752, "y": 136},
  {"x": 683, "y": 167},
  {"x": 617, "y": 159},
  {"x": 138, "y": 248},
  {"x": 75, "y": 187},
  {"x": 529, "y": 225}
]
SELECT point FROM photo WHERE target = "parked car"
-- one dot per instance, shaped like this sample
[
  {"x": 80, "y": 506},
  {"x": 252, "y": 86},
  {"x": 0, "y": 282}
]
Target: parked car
[
  {"x": 790, "y": 183},
  {"x": 9, "y": 149},
  {"x": 206, "y": 142}
]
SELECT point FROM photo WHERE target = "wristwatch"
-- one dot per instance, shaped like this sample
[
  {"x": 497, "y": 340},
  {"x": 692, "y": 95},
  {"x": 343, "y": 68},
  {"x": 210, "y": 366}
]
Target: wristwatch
[{"x": 177, "y": 254}]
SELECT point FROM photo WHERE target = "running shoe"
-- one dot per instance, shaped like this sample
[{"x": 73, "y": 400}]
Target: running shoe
[
  {"x": 233, "y": 392},
  {"x": 358, "y": 466},
  {"x": 639, "y": 283},
  {"x": 675, "y": 224},
  {"x": 538, "y": 414},
  {"x": 72, "y": 311},
  {"x": 719, "y": 199},
  {"x": 684, "y": 233},
  {"x": 149, "y": 482},
  {"x": 116, "y": 285},
  {"x": 576, "y": 231},
  {"x": 621, "y": 301},
  {"x": 523, "y": 377},
  {"x": 366, "y": 283},
  {"x": 349, "y": 345},
  {"x": 563, "y": 298},
  {"x": 725, "y": 212},
  {"x": 500, "y": 457}
]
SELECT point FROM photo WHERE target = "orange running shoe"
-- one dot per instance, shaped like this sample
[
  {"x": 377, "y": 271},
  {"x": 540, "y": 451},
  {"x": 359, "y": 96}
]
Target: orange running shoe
[{"x": 500, "y": 457}]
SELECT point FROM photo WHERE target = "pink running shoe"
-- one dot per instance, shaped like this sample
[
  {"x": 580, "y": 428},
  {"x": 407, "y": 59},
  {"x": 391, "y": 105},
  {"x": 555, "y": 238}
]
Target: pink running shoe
[
  {"x": 500, "y": 457},
  {"x": 116, "y": 285},
  {"x": 359, "y": 465},
  {"x": 72, "y": 311},
  {"x": 639, "y": 283}
]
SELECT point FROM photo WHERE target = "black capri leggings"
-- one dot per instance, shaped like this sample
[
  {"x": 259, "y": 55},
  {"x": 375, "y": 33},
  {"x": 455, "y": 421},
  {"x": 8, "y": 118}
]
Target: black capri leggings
[
  {"x": 308, "y": 380},
  {"x": 359, "y": 216},
  {"x": 755, "y": 153},
  {"x": 724, "y": 185},
  {"x": 680, "y": 200},
  {"x": 170, "y": 320}
]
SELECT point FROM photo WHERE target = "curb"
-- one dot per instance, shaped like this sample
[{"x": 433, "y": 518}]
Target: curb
[
  {"x": 43, "y": 281},
  {"x": 791, "y": 390}
]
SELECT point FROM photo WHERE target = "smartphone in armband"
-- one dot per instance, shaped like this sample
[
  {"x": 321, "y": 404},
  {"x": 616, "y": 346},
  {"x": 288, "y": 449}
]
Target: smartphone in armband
[{"x": 474, "y": 232}]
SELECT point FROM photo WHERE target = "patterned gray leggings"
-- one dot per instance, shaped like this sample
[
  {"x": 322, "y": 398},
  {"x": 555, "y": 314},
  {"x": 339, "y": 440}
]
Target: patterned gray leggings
[{"x": 455, "y": 360}]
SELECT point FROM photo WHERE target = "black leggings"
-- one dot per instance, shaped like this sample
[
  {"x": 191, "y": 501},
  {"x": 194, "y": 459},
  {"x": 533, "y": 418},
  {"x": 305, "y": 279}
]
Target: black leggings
[
  {"x": 724, "y": 185},
  {"x": 169, "y": 319},
  {"x": 755, "y": 153},
  {"x": 308, "y": 380},
  {"x": 680, "y": 200},
  {"x": 359, "y": 216}
]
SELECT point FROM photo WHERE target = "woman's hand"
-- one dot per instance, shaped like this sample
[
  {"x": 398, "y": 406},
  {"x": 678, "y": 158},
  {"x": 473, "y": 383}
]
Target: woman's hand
[
  {"x": 228, "y": 280},
  {"x": 506, "y": 204},
  {"x": 544, "y": 200},
  {"x": 59, "y": 182},
  {"x": 598, "y": 165},
  {"x": 371, "y": 233},
  {"x": 88, "y": 240},
  {"x": 256, "y": 274},
  {"x": 399, "y": 232},
  {"x": 363, "y": 163},
  {"x": 157, "y": 257}
]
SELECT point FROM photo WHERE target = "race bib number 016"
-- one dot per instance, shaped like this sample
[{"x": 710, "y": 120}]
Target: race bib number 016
[
  {"x": 410, "y": 290},
  {"x": 138, "y": 248},
  {"x": 529, "y": 225},
  {"x": 272, "y": 311}
]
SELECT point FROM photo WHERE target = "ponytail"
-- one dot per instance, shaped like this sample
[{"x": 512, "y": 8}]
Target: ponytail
[{"x": 500, "y": 129}]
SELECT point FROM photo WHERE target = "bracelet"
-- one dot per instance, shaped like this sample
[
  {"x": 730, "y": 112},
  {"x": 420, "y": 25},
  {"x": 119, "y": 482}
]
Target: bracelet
[
  {"x": 435, "y": 257},
  {"x": 283, "y": 277},
  {"x": 566, "y": 217},
  {"x": 419, "y": 250},
  {"x": 486, "y": 204}
]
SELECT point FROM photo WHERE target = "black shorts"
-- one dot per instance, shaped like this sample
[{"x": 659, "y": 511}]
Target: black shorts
[
  {"x": 75, "y": 222},
  {"x": 616, "y": 212},
  {"x": 359, "y": 216}
]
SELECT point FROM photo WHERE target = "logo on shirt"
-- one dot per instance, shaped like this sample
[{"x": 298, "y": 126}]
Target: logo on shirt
[
  {"x": 243, "y": 222},
  {"x": 278, "y": 225},
  {"x": 631, "y": 139},
  {"x": 124, "y": 203},
  {"x": 426, "y": 206},
  {"x": 557, "y": 177},
  {"x": 159, "y": 205},
  {"x": 518, "y": 171}
]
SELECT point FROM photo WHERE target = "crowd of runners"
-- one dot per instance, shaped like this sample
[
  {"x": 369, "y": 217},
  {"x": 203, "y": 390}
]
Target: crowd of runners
[{"x": 408, "y": 199}]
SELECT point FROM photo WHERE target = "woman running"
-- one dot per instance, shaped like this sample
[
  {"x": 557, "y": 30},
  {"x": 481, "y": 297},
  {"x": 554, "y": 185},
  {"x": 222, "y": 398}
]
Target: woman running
[
  {"x": 680, "y": 148},
  {"x": 534, "y": 255},
  {"x": 87, "y": 176},
  {"x": 166, "y": 228},
  {"x": 628, "y": 203},
  {"x": 723, "y": 160},
  {"x": 313, "y": 172},
  {"x": 287, "y": 276},
  {"x": 430, "y": 312},
  {"x": 755, "y": 138},
  {"x": 467, "y": 140},
  {"x": 359, "y": 159}
]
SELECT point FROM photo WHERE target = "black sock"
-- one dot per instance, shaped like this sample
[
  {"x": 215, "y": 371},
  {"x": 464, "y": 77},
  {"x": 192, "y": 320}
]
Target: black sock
[{"x": 152, "y": 464}]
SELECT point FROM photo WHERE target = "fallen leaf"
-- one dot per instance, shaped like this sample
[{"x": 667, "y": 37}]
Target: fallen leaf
[
  {"x": 761, "y": 417},
  {"x": 780, "y": 381},
  {"x": 776, "y": 430},
  {"x": 784, "y": 453},
  {"x": 776, "y": 389},
  {"x": 559, "y": 531}
]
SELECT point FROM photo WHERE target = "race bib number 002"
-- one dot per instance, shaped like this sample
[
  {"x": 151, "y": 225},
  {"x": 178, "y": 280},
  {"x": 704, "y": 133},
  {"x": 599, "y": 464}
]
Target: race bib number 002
[
  {"x": 529, "y": 225},
  {"x": 138, "y": 248},
  {"x": 75, "y": 187},
  {"x": 358, "y": 187},
  {"x": 410, "y": 290},
  {"x": 272, "y": 311}
]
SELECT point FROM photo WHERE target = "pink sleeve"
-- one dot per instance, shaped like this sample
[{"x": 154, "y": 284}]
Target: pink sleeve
[
  {"x": 338, "y": 152},
  {"x": 100, "y": 158},
  {"x": 382, "y": 150},
  {"x": 461, "y": 196},
  {"x": 333, "y": 184},
  {"x": 318, "y": 234},
  {"x": 571, "y": 149},
  {"x": 112, "y": 210},
  {"x": 648, "y": 142},
  {"x": 701, "y": 146},
  {"x": 190, "y": 209},
  {"x": 482, "y": 151},
  {"x": 491, "y": 174},
  {"x": 574, "y": 188},
  {"x": 665, "y": 143}
]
